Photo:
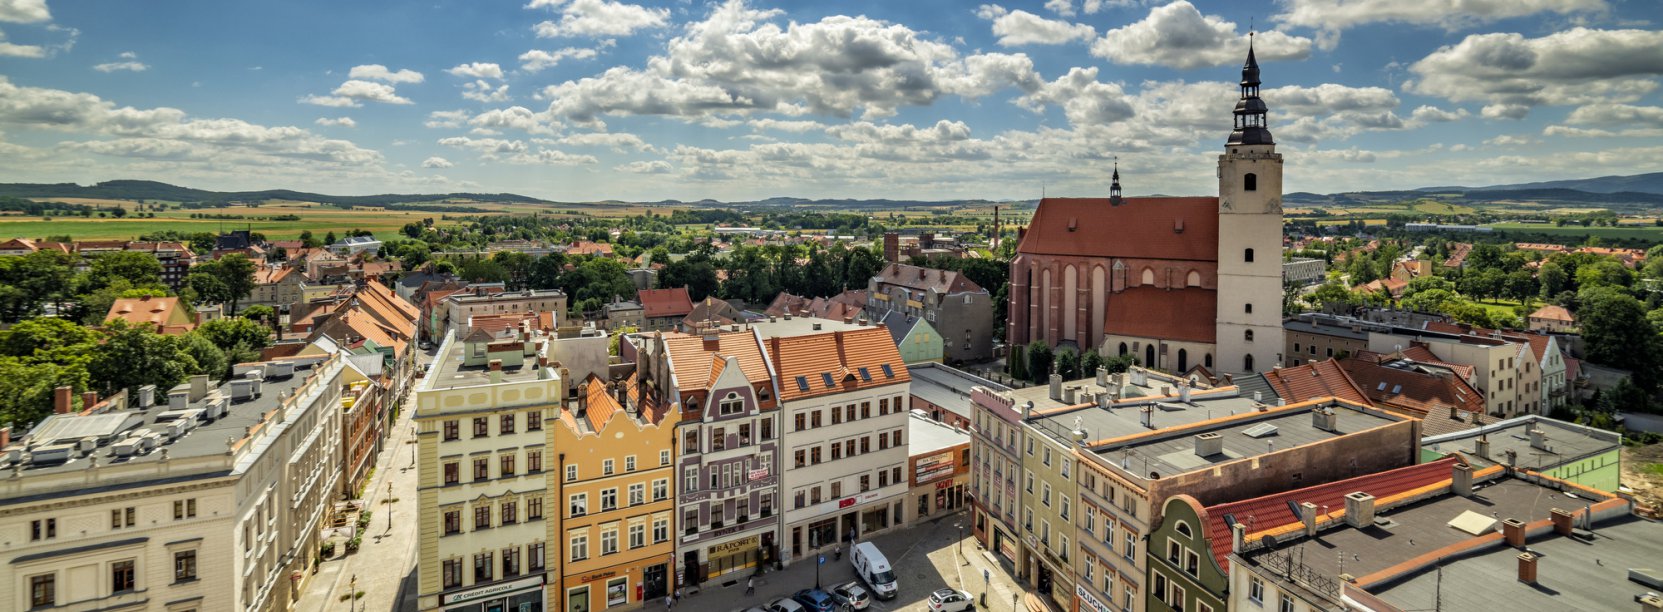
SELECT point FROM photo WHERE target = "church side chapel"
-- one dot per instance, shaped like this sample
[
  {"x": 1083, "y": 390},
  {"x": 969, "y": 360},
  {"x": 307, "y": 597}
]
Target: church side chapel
[{"x": 1176, "y": 282}]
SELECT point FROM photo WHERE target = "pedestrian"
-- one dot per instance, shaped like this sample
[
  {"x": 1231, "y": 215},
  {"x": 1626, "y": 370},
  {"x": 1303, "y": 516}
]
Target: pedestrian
[
  {"x": 837, "y": 552},
  {"x": 669, "y": 602},
  {"x": 750, "y": 585}
]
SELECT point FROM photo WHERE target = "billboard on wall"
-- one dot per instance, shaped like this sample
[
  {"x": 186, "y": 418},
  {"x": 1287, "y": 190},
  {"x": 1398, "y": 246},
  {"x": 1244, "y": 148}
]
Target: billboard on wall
[{"x": 932, "y": 467}]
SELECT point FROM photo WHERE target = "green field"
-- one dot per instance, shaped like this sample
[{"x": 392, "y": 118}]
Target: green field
[
  {"x": 1499, "y": 307},
  {"x": 1642, "y": 233},
  {"x": 319, "y": 219}
]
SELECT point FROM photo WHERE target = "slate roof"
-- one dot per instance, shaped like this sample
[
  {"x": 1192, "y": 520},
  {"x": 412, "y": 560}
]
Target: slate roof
[{"x": 1150, "y": 227}]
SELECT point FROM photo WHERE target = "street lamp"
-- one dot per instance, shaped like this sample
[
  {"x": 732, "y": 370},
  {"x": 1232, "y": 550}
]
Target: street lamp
[
  {"x": 389, "y": 506},
  {"x": 352, "y": 595}
]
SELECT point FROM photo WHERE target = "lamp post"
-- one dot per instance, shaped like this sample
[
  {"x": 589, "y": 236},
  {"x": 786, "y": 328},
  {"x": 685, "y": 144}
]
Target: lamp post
[
  {"x": 352, "y": 595},
  {"x": 389, "y": 506}
]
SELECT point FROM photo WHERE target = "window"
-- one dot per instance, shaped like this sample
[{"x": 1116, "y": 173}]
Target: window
[
  {"x": 534, "y": 461},
  {"x": 506, "y": 464},
  {"x": 1045, "y": 497},
  {"x": 883, "y": 479},
  {"x": 837, "y": 489},
  {"x": 800, "y": 457},
  {"x": 579, "y": 545},
  {"x": 1173, "y": 552},
  {"x": 534, "y": 508},
  {"x": 510, "y": 513},
  {"x": 579, "y": 504},
  {"x": 1256, "y": 590},
  {"x": 1249, "y": 308},
  {"x": 1284, "y": 602},
  {"x": 895, "y": 438},
  {"x": 571, "y": 473},
  {"x": 481, "y": 468},
  {"x": 1250, "y": 182},
  {"x": 836, "y": 450},
  {"x": 801, "y": 421},
  {"x": 606, "y": 467},
  {"x": 1091, "y": 563},
  {"x": 731, "y": 405},
  {"x": 836, "y": 415},
  {"x": 510, "y": 562},
  {"x": 768, "y": 428},
  {"x": 1192, "y": 563},
  {"x": 452, "y": 573},
  {"x": 814, "y": 419},
  {"x": 43, "y": 529},
  {"x": 865, "y": 445},
  {"x": 609, "y": 540},
  {"x": 637, "y": 494},
  {"x": 663, "y": 457},
  {"x": 1047, "y": 456},
  {"x": 690, "y": 479},
  {"x": 121, "y": 576},
  {"x": 690, "y": 441},
  {"x": 1248, "y": 335},
  {"x": 1247, "y": 255},
  {"x": 481, "y": 427},
  {"x": 866, "y": 410},
  {"x": 629, "y": 463},
  {"x": 482, "y": 516},
  {"x": 506, "y": 425},
  {"x": 483, "y": 563},
  {"x": 453, "y": 522},
  {"x": 865, "y": 483},
  {"x": 660, "y": 489},
  {"x": 660, "y": 530},
  {"x": 609, "y": 499},
  {"x": 453, "y": 430},
  {"x": 1064, "y": 512},
  {"x": 184, "y": 565},
  {"x": 184, "y": 509},
  {"x": 533, "y": 422},
  {"x": 1130, "y": 544},
  {"x": 123, "y": 517},
  {"x": 1177, "y": 598}
]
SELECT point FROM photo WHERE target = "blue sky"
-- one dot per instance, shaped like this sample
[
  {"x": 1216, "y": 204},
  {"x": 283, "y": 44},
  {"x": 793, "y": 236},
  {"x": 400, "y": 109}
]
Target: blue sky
[{"x": 929, "y": 99}]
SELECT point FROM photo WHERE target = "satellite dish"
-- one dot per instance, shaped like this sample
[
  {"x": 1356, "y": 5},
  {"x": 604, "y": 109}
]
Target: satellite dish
[{"x": 1269, "y": 540}]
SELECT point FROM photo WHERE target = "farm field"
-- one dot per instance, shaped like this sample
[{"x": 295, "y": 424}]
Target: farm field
[
  {"x": 319, "y": 220},
  {"x": 1652, "y": 233}
]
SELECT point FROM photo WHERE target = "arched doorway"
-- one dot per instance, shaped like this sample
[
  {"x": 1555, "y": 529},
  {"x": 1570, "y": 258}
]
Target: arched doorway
[
  {"x": 1123, "y": 348},
  {"x": 1149, "y": 355},
  {"x": 1247, "y": 363},
  {"x": 1183, "y": 361}
]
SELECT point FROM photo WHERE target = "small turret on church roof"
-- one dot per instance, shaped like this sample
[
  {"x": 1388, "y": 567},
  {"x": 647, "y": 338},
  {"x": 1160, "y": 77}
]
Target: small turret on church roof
[{"x": 1114, "y": 187}]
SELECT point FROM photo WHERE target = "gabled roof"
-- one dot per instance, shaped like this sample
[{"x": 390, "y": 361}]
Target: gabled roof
[
  {"x": 1151, "y": 312},
  {"x": 599, "y": 404},
  {"x": 1553, "y": 312},
  {"x": 806, "y": 363},
  {"x": 1315, "y": 380},
  {"x": 693, "y": 361},
  {"x": 672, "y": 302},
  {"x": 1423, "y": 394},
  {"x": 1153, "y": 227},
  {"x": 1273, "y": 511},
  {"x": 162, "y": 312},
  {"x": 919, "y": 278},
  {"x": 900, "y": 325}
]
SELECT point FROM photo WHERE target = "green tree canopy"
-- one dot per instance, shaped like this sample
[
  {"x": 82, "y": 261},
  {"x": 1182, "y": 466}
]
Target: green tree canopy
[
  {"x": 229, "y": 332},
  {"x": 235, "y": 272},
  {"x": 1617, "y": 332},
  {"x": 132, "y": 356},
  {"x": 138, "y": 268}
]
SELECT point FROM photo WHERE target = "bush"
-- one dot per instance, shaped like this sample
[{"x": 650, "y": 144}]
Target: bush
[
  {"x": 328, "y": 549},
  {"x": 364, "y": 519},
  {"x": 353, "y": 544}
]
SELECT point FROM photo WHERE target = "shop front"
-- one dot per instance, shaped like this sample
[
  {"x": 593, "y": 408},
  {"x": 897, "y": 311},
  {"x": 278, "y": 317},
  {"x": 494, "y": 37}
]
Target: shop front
[
  {"x": 620, "y": 586},
  {"x": 732, "y": 556},
  {"x": 522, "y": 595}
]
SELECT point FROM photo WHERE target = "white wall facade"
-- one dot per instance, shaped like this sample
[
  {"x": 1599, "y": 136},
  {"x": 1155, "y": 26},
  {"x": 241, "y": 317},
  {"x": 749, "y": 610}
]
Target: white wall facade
[
  {"x": 836, "y": 480},
  {"x": 1249, "y": 328}
]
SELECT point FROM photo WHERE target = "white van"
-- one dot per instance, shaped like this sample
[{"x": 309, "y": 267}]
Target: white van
[{"x": 872, "y": 567}]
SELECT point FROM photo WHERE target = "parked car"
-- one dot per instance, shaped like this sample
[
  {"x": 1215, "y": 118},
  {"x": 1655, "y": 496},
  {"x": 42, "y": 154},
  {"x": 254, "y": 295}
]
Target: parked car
[
  {"x": 950, "y": 600},
  {"x": 784, "y": 604},
  {"x": 851, "y": 594},
  {"x": 756, "y": 609},
  {"x": 815, "y": 600}
]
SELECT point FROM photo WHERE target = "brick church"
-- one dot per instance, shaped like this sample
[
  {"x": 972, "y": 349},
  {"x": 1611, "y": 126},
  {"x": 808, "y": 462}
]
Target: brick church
[{"x": 1177, "y": 282}]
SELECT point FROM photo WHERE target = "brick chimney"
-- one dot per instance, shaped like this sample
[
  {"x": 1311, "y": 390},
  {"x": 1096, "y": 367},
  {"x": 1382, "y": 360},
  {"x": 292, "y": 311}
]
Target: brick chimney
[
  {"x": 1461, "y": 480},
  {"x": 63, "y": 400},
  {"x": 88, "y": 399},
  {"x": 496, "y": 371},
  {"x": 1563, "y": 521},
  {"x": 1308, "y": 515},
  {"x": 1527, "y": 568},
  {"x": 1512, "y": 530}
]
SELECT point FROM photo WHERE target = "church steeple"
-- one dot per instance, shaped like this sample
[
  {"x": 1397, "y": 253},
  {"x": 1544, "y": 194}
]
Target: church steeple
[
  {"x": 1114, "y": 187},
  {"x": 1251, "y": 128}
]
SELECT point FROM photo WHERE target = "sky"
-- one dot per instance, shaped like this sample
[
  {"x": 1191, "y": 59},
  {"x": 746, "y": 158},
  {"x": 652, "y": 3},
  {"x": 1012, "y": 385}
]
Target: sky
[{"x": 584, "y": 100}]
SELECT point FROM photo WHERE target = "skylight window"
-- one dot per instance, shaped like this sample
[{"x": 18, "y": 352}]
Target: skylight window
[
  {"x": 826, "y": 377},
  {"x": 865, "y": 375},
  {"x": 802, "y": 383},
  {"x": 888, "y": 372},
  {"x": 1396, "y": 389},
  {"x": 1382, "y": 386}
]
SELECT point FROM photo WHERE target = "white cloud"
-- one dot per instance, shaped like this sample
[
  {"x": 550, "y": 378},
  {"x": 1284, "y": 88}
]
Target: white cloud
[
  {"x": 736, "y": 61},
  {"x": 1514, "y": 73},
  {"x": 618, "y": 142},
  {"x": 1084, "y": 100},
  {"x": 330, "y": 101},
  {"x": 1334, "y": 15},
  {"x": 1178, "y": 35},
  {"x": 865, "y": 131},
  {"x": 514, "y": 118},
  {"x": 436, "y": 162},
  {"x": 1509, "y": 140},
  {"x": 537, "y": 59},
  {"x": 24, "y": 11},
  {"x": 487, "y": 148},
  {"x": 337, "y": 122},
  {"x": 13, "y": 50},
  {"x": 786, "y": 125},
  {"x": 595, "y": 18},
  {"x": 377, "y": 72},
  {"x": 367, "y": 91},
  {"x": 1427, "y": 113},
  {"x": 482, "y": 91},
  {"x": 129, "y": 61},
  {"x": 656, "y": 166},
  {"x": 1611, "y": 120},
  {"x": 446, "y": 119},
  {"x": 478, "y": 70},
  {"x": 551, "y": 157},
  {"x": 1020, "y": 27},
  {"x": 1064, "y": 8}
]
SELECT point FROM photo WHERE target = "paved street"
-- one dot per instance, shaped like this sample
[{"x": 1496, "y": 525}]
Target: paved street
[
  {"x": 386, "y": 557},
  {"x": 925, "y": 557}
]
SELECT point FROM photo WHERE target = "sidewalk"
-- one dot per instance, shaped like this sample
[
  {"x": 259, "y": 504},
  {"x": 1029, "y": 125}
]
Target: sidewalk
[
  {"x": 386, "y": 556},
  {"x": 926, "y": 557}
]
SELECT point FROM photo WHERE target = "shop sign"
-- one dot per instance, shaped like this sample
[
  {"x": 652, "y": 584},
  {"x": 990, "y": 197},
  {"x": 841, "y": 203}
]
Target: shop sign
[
  {"x": 492, "y": 589},
  {"x": 945, "y": 484},
  {"x": 933, "y": 467},
  {"x": 1086, "y": 596},
  {"x": 617, "y": 592},
  {"x": 734, "y": 546},
  {"x": 759, "y": 474},
  {"x": 598, "y": 576}
]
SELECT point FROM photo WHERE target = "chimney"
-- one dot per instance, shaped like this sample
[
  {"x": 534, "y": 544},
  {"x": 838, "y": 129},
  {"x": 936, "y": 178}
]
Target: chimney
[
  {"x": 1482, "y": 446},
  {"x": 1147, "y": 416},
  {"x": 147, "y": 396},
  {"x": 496, "y": 371},
  {"x": 63, "y": 400},
  {"x": 1563, "y": 521},
  {"x": 1209, "y": 444},
  {"x": 1056, "y": 387},
  {"x": 199, "y": 387},
  {"x": 1068, "y": 394},
  {"x": 1461, "y": 480},
  {"x": 1512, "y": 530},
  {"x": 1102, "y": 376},
  {"x": 1308, "y": 516},
  {"x": 1359, "y": 509},
  {"x": 88, "y": 399},
  {"x": 1229, "y": 380},
  {"x": 712, "y": 342},
  {"x": 1238, "y": 537},
  {"x": 5, "y": 437},
  {"x": 1325, "y": 419},
  {"x": 1538, "y": 438},
  {"x": 1103, "y": 400},
  {"x": 1184, "y": 391},
  {"x": 1527, "y": 568}
]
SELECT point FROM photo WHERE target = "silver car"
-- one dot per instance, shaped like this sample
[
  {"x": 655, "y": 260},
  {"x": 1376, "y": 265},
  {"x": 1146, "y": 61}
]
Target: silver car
[
  {"x": 785, "y": 604},
  {"x": 850, "y": 595}
]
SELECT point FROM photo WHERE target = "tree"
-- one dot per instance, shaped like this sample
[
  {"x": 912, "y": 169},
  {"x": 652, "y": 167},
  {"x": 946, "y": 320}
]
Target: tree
[
  {"x": 329, "y": 238},
  {"x": 31, "y": 281},
  {"x": 1017, "y": 362},
  {"x": 205, "y": 357},
  {"x": 413, "y": 254},
  {"x": 261, "y": 313},
  {"x": 1330, "y": 293},
  {"x": 308, "y": 241},
  {"x": 1090, "y": 362},
  {"x": 1606, "y": 273},
  {"x": 229, "y": 332},
  {"x": 861, "y": 266},
  {"x": 1068, "y": 364},
  {"x": 235, "y": 271},
  {"x": 1616, "y": 332},
  {"x": 132, "y": 356},
  {"x": 1039, "y": 362},
  {"x": 695, "y": 272},
  {"x": 1553, "y": 279},
  {"x": 138, "y": 268},
  {"x": 40, "y": 337},
  {"x": 26, "y": 388},
  {"x": 208, "y": 287}
]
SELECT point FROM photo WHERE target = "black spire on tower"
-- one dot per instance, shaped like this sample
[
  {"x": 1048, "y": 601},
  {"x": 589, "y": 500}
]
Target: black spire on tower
[
  {"x": 1251, "y": 128},
  {"x": 1114, "y": 187}
]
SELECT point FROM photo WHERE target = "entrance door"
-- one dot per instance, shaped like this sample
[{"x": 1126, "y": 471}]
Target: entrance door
[
  {"x": 849, "y": 532},
  {"x": 654, "y": 583},
  {"x": 577, "y": 600}
]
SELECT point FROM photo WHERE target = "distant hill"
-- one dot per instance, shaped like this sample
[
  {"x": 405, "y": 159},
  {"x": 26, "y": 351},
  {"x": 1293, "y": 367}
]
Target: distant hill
[
  {"x": 152, "y": 190},
  {"x": 1641, "y": 183}
]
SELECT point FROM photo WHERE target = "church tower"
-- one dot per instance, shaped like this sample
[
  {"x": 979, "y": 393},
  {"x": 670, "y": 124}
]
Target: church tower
[{"x": 1249, "y": 337}]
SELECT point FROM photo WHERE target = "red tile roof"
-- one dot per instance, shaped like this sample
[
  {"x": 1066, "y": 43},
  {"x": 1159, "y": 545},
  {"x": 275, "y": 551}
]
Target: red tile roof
[
  {"x": 1315, "y": 380},
  {"x": 1151, "y": 312},
  {"x": 1273, "y": 511},
  {"x": 1553, "y": 312},
  {"x": 672, "y": 302},
  {"x": 693, "y": 361},
  {"x": 1157, "y": 228},
  {"x": 1420, "y": 393},
  {"x": 839, "y": 355},
  {"x": 162, "y": 312}
]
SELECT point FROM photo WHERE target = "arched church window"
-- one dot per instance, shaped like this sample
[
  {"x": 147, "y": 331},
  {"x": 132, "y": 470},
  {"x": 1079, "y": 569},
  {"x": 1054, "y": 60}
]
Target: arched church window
[
  {"x": 1250, "y": 182},
  {"x": 1248, "y": 335},
  {"x": 1148, "y": 277},
  {"x": 1149, "y": 355},
  {"x": 1123, "y": 348},
  {"x": 1207, "y": 360},
  {"x": 1247, "y": 255},
  {"x": 1247, "y": 363},
  {"x": 1183, "y": 360}
]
